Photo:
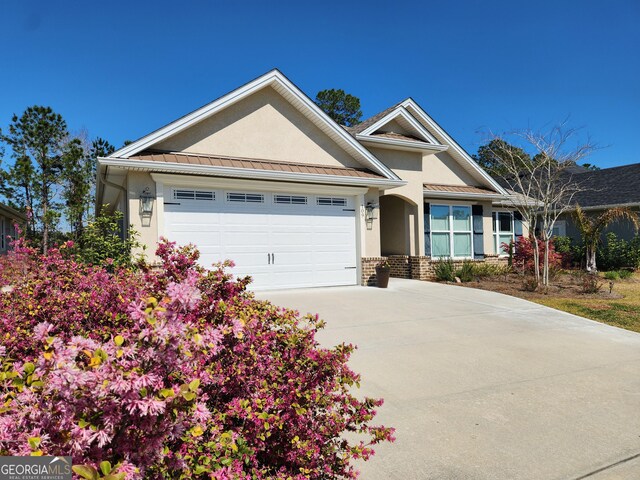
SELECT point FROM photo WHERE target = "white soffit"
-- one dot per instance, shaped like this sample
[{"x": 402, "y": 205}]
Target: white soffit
[{"x": 292, "y": 94}]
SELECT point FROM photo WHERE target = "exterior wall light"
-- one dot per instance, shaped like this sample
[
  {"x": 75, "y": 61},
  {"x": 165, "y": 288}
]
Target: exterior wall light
[
  {"x": 371, "y": 211},
  {"x": 146, "y": 202}
]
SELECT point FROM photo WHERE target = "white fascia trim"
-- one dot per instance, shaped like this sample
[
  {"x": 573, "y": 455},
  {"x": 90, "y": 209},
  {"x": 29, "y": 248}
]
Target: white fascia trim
[
  {"x": 401, "y": 112},
  {"x": 253, "y": 185},
  {"x": 148, "y": 165},
  {"x": 400, "y": 144},
  {"x": 270, "y": 78},
  {"x": 427, "y": 119},
  {"x": 479, "y": 196}
]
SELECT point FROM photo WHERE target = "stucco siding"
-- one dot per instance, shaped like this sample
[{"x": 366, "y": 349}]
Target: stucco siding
[
  {"x": 262, "y": 126},
  {"x": 145, "y": 226},
  {"x": 441, "y": 168},
  {"x": 371, "y": 243},
  {"x": 408, "y": 166}
]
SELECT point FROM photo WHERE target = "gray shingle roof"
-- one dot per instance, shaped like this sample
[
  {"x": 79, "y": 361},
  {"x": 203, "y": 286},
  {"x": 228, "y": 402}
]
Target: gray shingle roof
[
  {"x": 609, "y": 186},
  {"x": 362, "y": 126}
]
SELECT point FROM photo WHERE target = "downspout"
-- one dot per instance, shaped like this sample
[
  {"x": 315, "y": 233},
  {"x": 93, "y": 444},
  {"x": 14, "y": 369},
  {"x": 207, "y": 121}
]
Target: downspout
[{"x": 104, "y": 180}]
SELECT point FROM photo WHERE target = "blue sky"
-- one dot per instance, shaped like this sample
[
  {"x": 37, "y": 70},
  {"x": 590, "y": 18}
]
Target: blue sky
[{"x": 122, "y": 69}]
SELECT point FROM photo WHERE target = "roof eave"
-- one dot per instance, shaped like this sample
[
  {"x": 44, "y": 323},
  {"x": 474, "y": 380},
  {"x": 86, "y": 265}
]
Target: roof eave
[
  {"x": 400, "y": 111},
  {"x": 400, "y": 144},
  {"x": 462, "y": 195},
  {"x": 214, "y": 171}
]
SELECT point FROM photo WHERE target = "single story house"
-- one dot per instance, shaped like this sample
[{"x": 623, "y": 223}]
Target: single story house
[
  {"x": 9, "y": 218},
  {"x": 264, "y": 177},
  {"x": 601, "y": 190}
]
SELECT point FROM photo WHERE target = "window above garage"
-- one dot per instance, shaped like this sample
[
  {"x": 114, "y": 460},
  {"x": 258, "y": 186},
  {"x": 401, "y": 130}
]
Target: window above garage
[
  {"x": 245, "y": 197},
  {"x": 290, "y": 199},
  {"x": 186, "y": 194}
]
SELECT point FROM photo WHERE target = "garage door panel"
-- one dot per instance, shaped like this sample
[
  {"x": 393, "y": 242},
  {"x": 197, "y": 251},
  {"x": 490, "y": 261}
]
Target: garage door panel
[{"x": 312, "y": 245}]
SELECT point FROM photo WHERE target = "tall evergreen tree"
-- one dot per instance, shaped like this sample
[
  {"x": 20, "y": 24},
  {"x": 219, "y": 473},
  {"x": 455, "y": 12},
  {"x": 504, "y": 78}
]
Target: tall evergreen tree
[
  {"x": 340, "y": 106},
  {"x": 80, "y": 162},
  {"x": 37, "y": 139},
  {"x": 494, "y": 156}
]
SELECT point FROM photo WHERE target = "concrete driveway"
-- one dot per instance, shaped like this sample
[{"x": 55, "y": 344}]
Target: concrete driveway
[{"x": 485, "y": 386}]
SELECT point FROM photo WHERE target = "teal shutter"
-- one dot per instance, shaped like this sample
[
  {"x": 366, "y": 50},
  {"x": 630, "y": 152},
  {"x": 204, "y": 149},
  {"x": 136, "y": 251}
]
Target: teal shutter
[
  {"x": 427, "y": 229},
  {"x": 517, "y": 225},
  {"x": 478, "y": 233}
]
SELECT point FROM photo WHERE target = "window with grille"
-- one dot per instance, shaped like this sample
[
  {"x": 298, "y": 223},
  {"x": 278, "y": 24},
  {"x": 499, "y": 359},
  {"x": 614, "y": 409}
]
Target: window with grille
[
  {"x": 290, "y": 199},
  {"x": 451, "y": 231},
  {"x": 503, "y": 231},
  {"x": 182, "y": 194},
  {"x": 245, "y": 197},
  {"x": 332, "y": 201}
]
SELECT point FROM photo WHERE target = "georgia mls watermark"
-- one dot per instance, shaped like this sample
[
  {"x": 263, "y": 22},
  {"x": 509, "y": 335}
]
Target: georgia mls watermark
[{"x": 35, "y": 468}]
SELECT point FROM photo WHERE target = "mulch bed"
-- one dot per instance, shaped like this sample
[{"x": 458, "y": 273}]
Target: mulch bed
[{"x": 564, "y": 285}]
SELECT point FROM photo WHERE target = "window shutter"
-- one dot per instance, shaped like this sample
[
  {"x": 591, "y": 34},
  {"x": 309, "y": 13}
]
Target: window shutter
[
  {"x": 427, "y": 229},
  {"x": 478, "y": 234},
  {"x": 517, "y": 225}
]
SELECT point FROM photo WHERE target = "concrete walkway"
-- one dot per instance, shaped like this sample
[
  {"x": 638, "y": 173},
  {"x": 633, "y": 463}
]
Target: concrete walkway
[{"x": 485, "y": 386}]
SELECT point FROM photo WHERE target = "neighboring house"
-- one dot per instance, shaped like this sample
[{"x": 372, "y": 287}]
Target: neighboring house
[
  {"x": 263, "y": 177},
  {"x": 601, "y": 190},
  {"x": 9, "y": 217}
]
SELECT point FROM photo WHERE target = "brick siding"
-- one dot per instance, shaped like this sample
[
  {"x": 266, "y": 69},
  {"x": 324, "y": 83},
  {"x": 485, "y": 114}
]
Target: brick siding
[{"x": 417, "y": 268}]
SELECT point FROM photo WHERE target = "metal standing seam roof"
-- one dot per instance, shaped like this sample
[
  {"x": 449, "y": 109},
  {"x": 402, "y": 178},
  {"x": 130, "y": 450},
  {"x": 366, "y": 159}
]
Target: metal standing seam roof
[
  {"x": 434, "y": 187},
  {"x": 255, "y": 164}
]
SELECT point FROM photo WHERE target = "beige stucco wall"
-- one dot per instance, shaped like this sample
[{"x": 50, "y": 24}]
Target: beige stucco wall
[
  {"x": 441, "y": 168},
  {"x": 393, "y": 225},
  {"x": 395, "y": 127},
  {"x": 408, "y": 166},
  {"x": 145, "y": 226},
  {"x": 371, "y": 243},
  {"x": 263, "y": 126}
]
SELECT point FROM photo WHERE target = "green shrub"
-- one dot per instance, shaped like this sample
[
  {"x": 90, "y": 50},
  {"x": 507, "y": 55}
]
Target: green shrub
[
  {"x": 101, "y": 242},
  {"x": 624, "y": 274},
  {"x": 444, "y": 270},
  {"x": 570, "y": 252},
  {"x": 485, "y": 270},
  {"x": 612, "y": 275},
  {"x": 616, "y": 253},
  {"x": 466, "y": 272}
]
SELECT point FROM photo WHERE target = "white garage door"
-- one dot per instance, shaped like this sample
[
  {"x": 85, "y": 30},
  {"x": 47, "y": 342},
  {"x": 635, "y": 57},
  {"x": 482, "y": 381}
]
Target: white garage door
[{"x": 282, "y": 240}]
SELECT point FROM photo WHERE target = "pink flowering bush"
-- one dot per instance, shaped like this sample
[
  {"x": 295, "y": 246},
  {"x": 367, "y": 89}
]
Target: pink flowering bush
[{"x": 175, "y": 372}]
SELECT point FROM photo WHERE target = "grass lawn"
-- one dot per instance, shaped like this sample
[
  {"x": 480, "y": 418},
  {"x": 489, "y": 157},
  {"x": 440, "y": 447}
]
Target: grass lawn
[
  {"x": 620, "y": 308},
  {"x": 621, "y": 312}
]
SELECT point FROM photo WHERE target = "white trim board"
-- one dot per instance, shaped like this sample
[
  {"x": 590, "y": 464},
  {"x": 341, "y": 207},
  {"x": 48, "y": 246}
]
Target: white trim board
[
  {"x": 396, "y": 144},
  {"x": 290, "y": 92},
  {"x": 401, "y": 112}
]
